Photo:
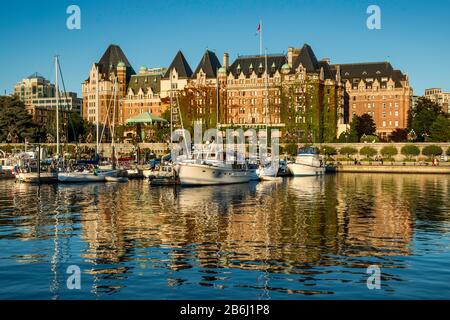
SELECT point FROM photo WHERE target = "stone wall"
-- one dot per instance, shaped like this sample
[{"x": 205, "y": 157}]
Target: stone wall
[{"x": 379, "y": 146}]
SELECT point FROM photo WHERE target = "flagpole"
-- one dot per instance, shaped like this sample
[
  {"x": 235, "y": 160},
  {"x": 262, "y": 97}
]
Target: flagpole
[{"x": 260, "y": 37}]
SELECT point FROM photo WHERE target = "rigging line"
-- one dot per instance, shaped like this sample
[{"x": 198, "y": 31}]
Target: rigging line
[
  {"x": 107, "y": 114},
  {"x": 67, "y": 103},
  {"x": 182, "y": 126}
]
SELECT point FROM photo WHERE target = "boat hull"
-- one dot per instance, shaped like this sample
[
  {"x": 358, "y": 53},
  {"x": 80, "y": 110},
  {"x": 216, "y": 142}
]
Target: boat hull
[
  {"x": 33, "y": 177},
  {"x": 198, "y": 174},
  {"x": 303, "y": 170},
  {"x": 73, "y": 177}
]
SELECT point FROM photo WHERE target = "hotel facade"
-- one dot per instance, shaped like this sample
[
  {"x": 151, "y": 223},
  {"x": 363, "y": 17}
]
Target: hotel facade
[{"x": 306, "y": 98}]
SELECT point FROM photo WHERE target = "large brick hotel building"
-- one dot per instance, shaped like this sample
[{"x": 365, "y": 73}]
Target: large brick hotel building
[{"x": 295, "y": 92}]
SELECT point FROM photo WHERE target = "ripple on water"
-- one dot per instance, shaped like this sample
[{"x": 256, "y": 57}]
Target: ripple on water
[{"x": 298, "y": 238}]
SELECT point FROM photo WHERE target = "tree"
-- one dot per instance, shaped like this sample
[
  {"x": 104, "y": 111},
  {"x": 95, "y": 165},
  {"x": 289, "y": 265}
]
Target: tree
[
  {"x": 362, "y": 125},
  {"x": 348, "y": 151},
  {"x": 369, "y": 139},
  {"x": 432, "y": 151},
  {"x": 448, "y": 151},
  {"x": 16, "y": 124},
  {"x": 423, "y": 117},
  {"x": 328, "y": 150},
  {"x": 410, "y": 151},
  {"x": 389, "y": 151},
  {"x": 367, "y": 151},
  {"x": 399, "y": 135},
  {"x": 291, "y": 149},
  {"x": 440, "y": 129},
  {"x": 348, "y": 136}
]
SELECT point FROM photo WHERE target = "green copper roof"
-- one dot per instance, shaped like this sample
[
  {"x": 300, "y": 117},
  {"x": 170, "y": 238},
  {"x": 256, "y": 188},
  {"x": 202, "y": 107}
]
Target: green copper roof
[
  {"x": 121, "y": 64},
  {"x": 146, "y": 118},
  {"x": 222, "y": 70}
]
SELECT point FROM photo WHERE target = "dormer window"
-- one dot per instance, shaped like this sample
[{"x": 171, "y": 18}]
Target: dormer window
[
  {"x": 378, "y": 72},
  {"x": 364, "y": 72}
]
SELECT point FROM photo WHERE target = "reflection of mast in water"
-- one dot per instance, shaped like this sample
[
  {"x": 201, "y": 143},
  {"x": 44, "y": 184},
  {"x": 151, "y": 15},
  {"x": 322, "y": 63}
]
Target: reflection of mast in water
[{"x": 54, "y": 287}]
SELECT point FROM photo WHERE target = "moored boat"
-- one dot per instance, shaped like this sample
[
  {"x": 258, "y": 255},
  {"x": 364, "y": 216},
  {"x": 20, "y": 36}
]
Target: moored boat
[{"x": 307, "y": 163}]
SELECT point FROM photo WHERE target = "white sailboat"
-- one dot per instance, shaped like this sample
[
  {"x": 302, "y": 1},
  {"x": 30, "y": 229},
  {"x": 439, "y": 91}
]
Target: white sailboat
[
  {"x": 307, "y": 163},
  {"x": 267, "y": 170},
  {"x": 94, "y": 175},
  {"x": 209, "y": 169},
  {"x": 206, "y": 167}
]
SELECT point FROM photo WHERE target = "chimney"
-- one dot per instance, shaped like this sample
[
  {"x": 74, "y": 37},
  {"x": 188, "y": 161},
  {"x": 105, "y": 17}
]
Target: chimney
[
  {"x": 225, "y": 60},
  {"x": 292, "y": 54}
]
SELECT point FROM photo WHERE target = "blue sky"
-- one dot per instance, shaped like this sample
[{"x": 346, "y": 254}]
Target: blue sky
[{"x": 414, "y": 35}]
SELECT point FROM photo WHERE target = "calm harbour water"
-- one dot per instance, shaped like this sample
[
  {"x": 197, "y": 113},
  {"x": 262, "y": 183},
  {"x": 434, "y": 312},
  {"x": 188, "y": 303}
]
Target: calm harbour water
[{"x": 302, "y": 238}]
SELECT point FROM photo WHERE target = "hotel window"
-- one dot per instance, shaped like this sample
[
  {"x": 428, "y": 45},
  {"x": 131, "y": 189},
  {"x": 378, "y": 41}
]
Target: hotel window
[
  {"x": 396, "y": 113},
  {"x": 384, "y": 123},
  {"x": 396, "y": 123}
]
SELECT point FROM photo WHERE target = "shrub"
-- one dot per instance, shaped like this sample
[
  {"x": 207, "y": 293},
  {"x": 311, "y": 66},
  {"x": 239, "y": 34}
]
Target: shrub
[
  {"x": 369, "y": 152},
  {"x": 410, "y": 151},
  {"x": 432, "y": 151},
  {"x": 291, "y": 149},
  {"x": 348, "y": 151},
  {"x": 389, "y": 151},
  {"x": 328, "y": 150},
  {"x": 370, "y": 139}
]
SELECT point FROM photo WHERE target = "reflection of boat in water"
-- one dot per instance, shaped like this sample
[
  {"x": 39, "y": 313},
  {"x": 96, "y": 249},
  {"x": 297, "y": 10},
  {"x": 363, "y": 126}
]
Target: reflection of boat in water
[
  {"x": 309, "y": 186},
  {"x": 307, "y": 163}
]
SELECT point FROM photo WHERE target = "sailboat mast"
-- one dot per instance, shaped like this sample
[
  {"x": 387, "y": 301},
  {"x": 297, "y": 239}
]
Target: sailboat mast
[
  {"x": 96, "y": 111},
  {"x": 218, "y": 99},
  {"x": 266, "y": 84},
  {"x": 171, "y": 111},
  {"x": 57, "y": 105},
  {"x": 113, "y": 128}
]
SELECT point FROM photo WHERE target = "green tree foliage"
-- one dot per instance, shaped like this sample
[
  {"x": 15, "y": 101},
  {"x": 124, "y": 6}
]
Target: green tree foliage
[
  {"x": 291, "y": 149},
  {"x": 16, "y": 124},
  {"x": 370, "y": 139},
  {"x": 410, "y": 151},
  {"x": 367, "y": 151},
  {"x": 423, "y": 117},
  {"x": 348, "y": 151},
  {"x": 432, "y": 151},
  {"x": 362, "y": 125},
  {"x": 389, "y": 151},
  {"x": 328, "y": 150},
  {"x": 399, "y": 135},
  {"x": 440, "y": 129}
]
